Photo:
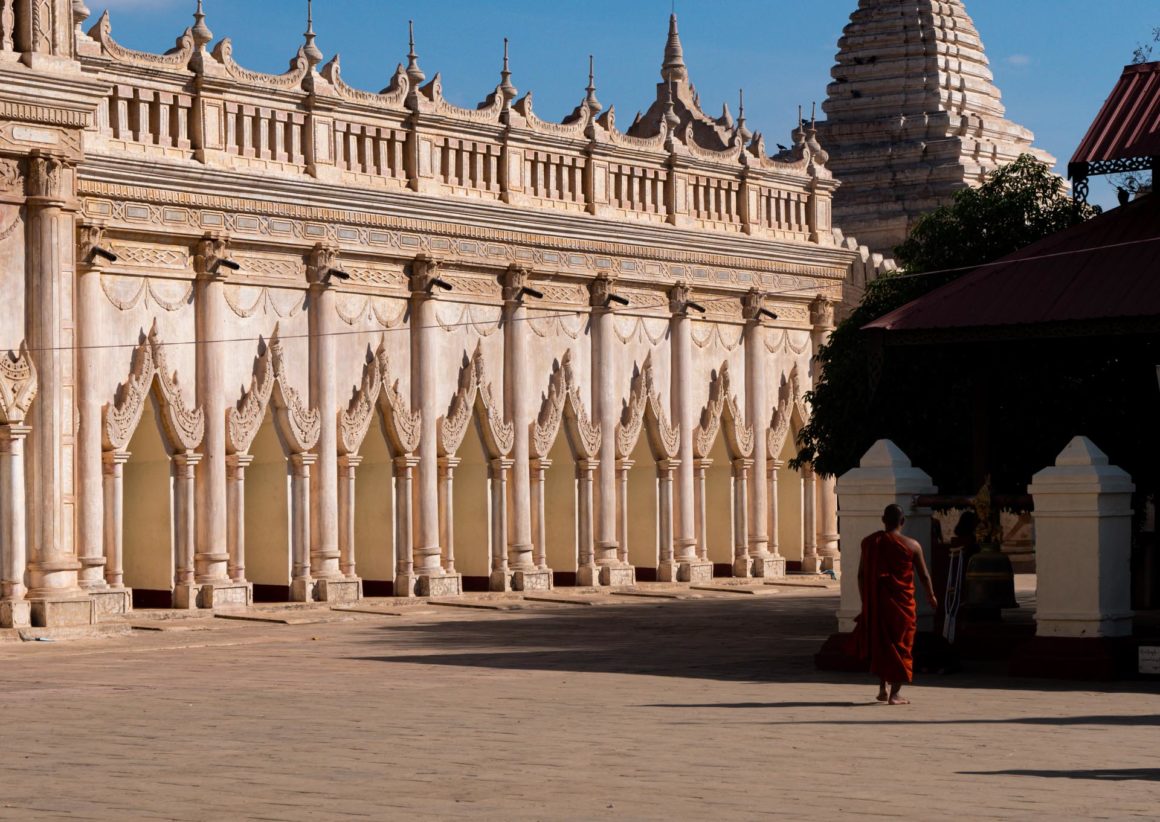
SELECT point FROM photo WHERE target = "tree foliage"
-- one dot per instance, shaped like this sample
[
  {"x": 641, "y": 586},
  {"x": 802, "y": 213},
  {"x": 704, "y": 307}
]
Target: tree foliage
[{"x": 922, "y": 397}]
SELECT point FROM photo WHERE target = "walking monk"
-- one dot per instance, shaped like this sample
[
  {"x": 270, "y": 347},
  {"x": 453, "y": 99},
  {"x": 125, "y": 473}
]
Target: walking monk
[{"x": 886, "y": 627}]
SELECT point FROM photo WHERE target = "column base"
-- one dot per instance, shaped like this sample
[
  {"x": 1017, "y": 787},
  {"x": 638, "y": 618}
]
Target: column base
[
  {"x": 588, "y": 577},
  {"x": 302, "y": 590},
  {"x": 533, "y": 580},
  {"x": 832, "y": 564},
  {"x": 406, "y": 585},
  {"x": 16, "y": 613},
  {"x": 500, "y": 581},
  {"x": 59, "y": 613},
  {"x": 668, "y": 572},
  {"x": 112, "y": 601},
  {"x": 231, "y": 594},
  {"x": 338, "y": 590},
  {"x": 619, "y": 576},
  {"x": 742, "y": 568},
  {"x": 768, "y": 567},
  {"x": 439, "y": 585},
  {"x": 695, "y": 571},
  {"x": 812, "y": 565}
]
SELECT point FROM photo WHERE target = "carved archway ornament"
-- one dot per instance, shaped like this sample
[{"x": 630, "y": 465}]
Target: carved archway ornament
[
  {"x": 298, "y": 425},
  {"x": 182, "y": 426},
  {"x": 563, "y": 407},
  {"x": 723, "y": 412},
  {"x": 18, "y": 386},
  {"x": 379, "y": 388},
  {"x": 473, "y": 399},
  {"x": 644, "y": 411},
  {"x": 792, "y": 413}
]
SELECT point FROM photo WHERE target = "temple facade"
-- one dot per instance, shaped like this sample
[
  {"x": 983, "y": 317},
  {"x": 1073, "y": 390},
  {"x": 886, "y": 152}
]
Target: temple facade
[
  {"x": 912, "y": 116},
  {"x": 276, "y": 337}
]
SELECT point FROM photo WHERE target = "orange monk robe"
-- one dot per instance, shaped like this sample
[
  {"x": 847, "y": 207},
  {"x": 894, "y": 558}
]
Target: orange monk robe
[{"x": 885, "y": 630}]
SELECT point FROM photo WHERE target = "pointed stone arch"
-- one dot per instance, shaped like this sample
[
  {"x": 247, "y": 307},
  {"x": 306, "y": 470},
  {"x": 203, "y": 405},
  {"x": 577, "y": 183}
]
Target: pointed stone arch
[
  {"x": 563, "y": 409},
  {"x": 723, "y": 414},
  {"x": 792, "y": 414},
  {"x": 643, "y": 412},
  {"x": 379, "y": 390},
  {"x": 149, "y": 375},
  {"x": 473, "y": 401},
  {"x": 298, "y": 425}
]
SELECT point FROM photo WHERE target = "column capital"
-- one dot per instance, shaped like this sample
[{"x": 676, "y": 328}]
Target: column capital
[
  {"x": 586, "y": 467},
  {"x": 424, "y": 272},
  {"x": 752, "y": 303},
  {"x": 514, "y": 280},
  {"x": 679, "y": 297},
  {"x": 667, "y": 466},
  {"x": 239, "y": 460},
  {"x": 405, "y": 462},
  {"x": 449, "y": 462},
  {"x": 302, "y": 463},
  {"x": 600, "y": 291},
  {"x": 210, "y": 252},
  {"x": 321, "y": 263},
  {"x": 349, "y": 461},
  {"x": 822, "y": 314},
  {"x": 541, "y": 463},
  {"x": 624, "y": 464},
  {"x": 500, "y": 466},
  {"x": 90, "y": 235},
  {"x": 13, "y": 432},
  {"x": 45, "y": 181},
  {"x": 115, "y": 458},
  {"x": 187, "y": 458}
]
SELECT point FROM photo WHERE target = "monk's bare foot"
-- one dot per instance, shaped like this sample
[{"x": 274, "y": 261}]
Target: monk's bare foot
[
  {"x": 899, "y": 700},
  {"x": 882, "y": 695}
]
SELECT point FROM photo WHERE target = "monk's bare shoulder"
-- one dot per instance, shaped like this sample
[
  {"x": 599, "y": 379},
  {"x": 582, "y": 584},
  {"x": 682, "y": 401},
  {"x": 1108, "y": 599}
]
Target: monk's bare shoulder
[{"x": 913, "y": 545}]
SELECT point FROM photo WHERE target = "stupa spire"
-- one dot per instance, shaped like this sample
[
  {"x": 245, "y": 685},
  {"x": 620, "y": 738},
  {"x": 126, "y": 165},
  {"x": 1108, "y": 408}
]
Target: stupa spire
[
  {"x": 508, "y": 90},
  {"x": 202, "y": 36},
  {"x": 594, "y": 105},
  {"x": 310, "y": 50},
  {"x": 414, "y": 73},
  {"x": 673, "y": 69},
  {"x": 742, "y": 131}
]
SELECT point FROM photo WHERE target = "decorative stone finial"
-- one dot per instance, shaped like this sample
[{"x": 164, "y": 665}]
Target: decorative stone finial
[
  {"x": 744, "y": 133},
  {"x": 672, "y": 119},
  {"x": 673, "y": 68},
  {"x": 310, "y": 50},
  {"x": 80, "y": 12},
  {"x": 594, "y": 105},
  {"x": 505, "y": 86},
  {"x": 414, "y": 73},
  {"x": 202, "y": 36}
]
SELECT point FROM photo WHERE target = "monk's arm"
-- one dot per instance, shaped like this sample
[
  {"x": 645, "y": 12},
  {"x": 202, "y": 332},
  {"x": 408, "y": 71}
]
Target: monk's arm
[
  {"x": 861, "y": 577},
  {"x": 928, "y": 583}
]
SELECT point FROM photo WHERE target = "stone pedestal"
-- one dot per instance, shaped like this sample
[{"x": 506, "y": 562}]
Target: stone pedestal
[
  {"x": 111, "y": 601},
  {"x": 441, "y": 585},
  {"x": 16, "y": 614},
  {"x": 697, "y": 572},
  {"x": 616, "y": 576},
  {"x": 62, "y": 613},
  {"x": 338, "y": 590},
  {"x": 884, "y": 476},
  {"x": 768, "y": 567},
  {"x": 1083, "y": 526},
  {"x": 532, "y": 580},
  {"x": 225, "y": 595}
]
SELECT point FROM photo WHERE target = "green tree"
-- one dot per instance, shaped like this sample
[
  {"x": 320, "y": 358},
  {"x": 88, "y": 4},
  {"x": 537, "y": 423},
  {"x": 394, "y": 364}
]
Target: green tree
[{"x": 1017, "y": 205}]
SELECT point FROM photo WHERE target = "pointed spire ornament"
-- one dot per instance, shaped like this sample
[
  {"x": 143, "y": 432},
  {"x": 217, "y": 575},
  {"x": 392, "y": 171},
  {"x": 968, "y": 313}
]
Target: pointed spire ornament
[
  {"x": 202, "y": 36},
  {"x": 505, "y": 86},
  {"x": 672, "y": 119},
  {"x": 312, "y": 52},
  {"x": 744, "y": 133},
  {"x": 673, "y": 68},
  {"x": 594, "y": 105},
  {"x": 414, "y": 73}
]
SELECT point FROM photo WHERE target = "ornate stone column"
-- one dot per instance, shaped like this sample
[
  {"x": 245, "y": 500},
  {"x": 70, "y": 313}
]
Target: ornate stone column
[
  {"x": 347, "y": 469},
  {"x": 666, "y": 568},
  {"x": 325, "y": 556},
  {"x": 526, "y": 575},
  {"x": 90, "y": 490},
  {"x": 763, "y": 558},
  {"x": 433, "y": 579},
  {"x": 605, "y": 411},
  {"x": 404, "y": 525},
  {"x": 54, "y": 589},
  {"x": 15, "y": 611},
  {"x": 622, "y": 469},
  {"x": 212, "y": 554},
  {"x": 113, "y": 478},
  {"x": 497, "y": 475},
  {"x": 773, "y": 467},
  {"x": 822, "y": 318},
  {"x": 447, "y": 466},
  {"x": 700, "y": 476},
  {"x": 236, "y": 465},
  {"x": 585, "y": 547},
  {"x": 301, "y": 583},
  {"x": 539, "y": 526},
  {"x": 690, "y": 566},
  {"x": 185, "y": 589},
  {"x": 811, "y": 562},
  {"x": 741, "y": 563}
]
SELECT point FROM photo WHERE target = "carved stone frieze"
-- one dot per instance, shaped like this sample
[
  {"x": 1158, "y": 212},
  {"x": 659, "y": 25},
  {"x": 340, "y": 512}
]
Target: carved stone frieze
[
  {"x": 644, "y": 412},
  {"x": 300, "y": 426},
  {"x": 176, "y": 59},
  {"x": 564, "y": 407},
  {"x": 379, "y": 389},
  {"x": 473, "y": 400}
]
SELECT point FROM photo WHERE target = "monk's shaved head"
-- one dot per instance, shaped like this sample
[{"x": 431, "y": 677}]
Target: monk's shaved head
[{"x": 892, "y": 517}]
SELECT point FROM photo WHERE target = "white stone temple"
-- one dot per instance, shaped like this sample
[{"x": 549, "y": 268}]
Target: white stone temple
[
  {"x": 912, "y": 116},
  {"x": 275, "y": 336}
]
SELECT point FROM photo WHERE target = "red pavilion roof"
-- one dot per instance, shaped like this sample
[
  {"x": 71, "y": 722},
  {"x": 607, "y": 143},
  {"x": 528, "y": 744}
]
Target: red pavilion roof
[{"x": 1128, "y": 125}]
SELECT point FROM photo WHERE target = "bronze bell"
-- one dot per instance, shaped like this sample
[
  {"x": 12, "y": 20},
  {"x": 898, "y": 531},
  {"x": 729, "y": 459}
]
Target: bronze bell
[{"x": 990, "y": 583}]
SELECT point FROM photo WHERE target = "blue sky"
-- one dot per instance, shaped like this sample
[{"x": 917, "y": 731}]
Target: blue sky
[{"x": 1054, "y": 60}]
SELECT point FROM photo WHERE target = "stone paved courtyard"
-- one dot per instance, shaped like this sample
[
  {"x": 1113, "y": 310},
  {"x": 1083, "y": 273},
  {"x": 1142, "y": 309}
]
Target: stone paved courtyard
[{"x": 706, "y": 706}]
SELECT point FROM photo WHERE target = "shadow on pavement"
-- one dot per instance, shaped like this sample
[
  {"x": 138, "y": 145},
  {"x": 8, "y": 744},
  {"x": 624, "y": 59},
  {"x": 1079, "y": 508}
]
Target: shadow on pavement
[
  {"x": 1137, "y": 720},
  {"x": 1102, "y": 775},
  {"x": 766, "y": 639}
]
